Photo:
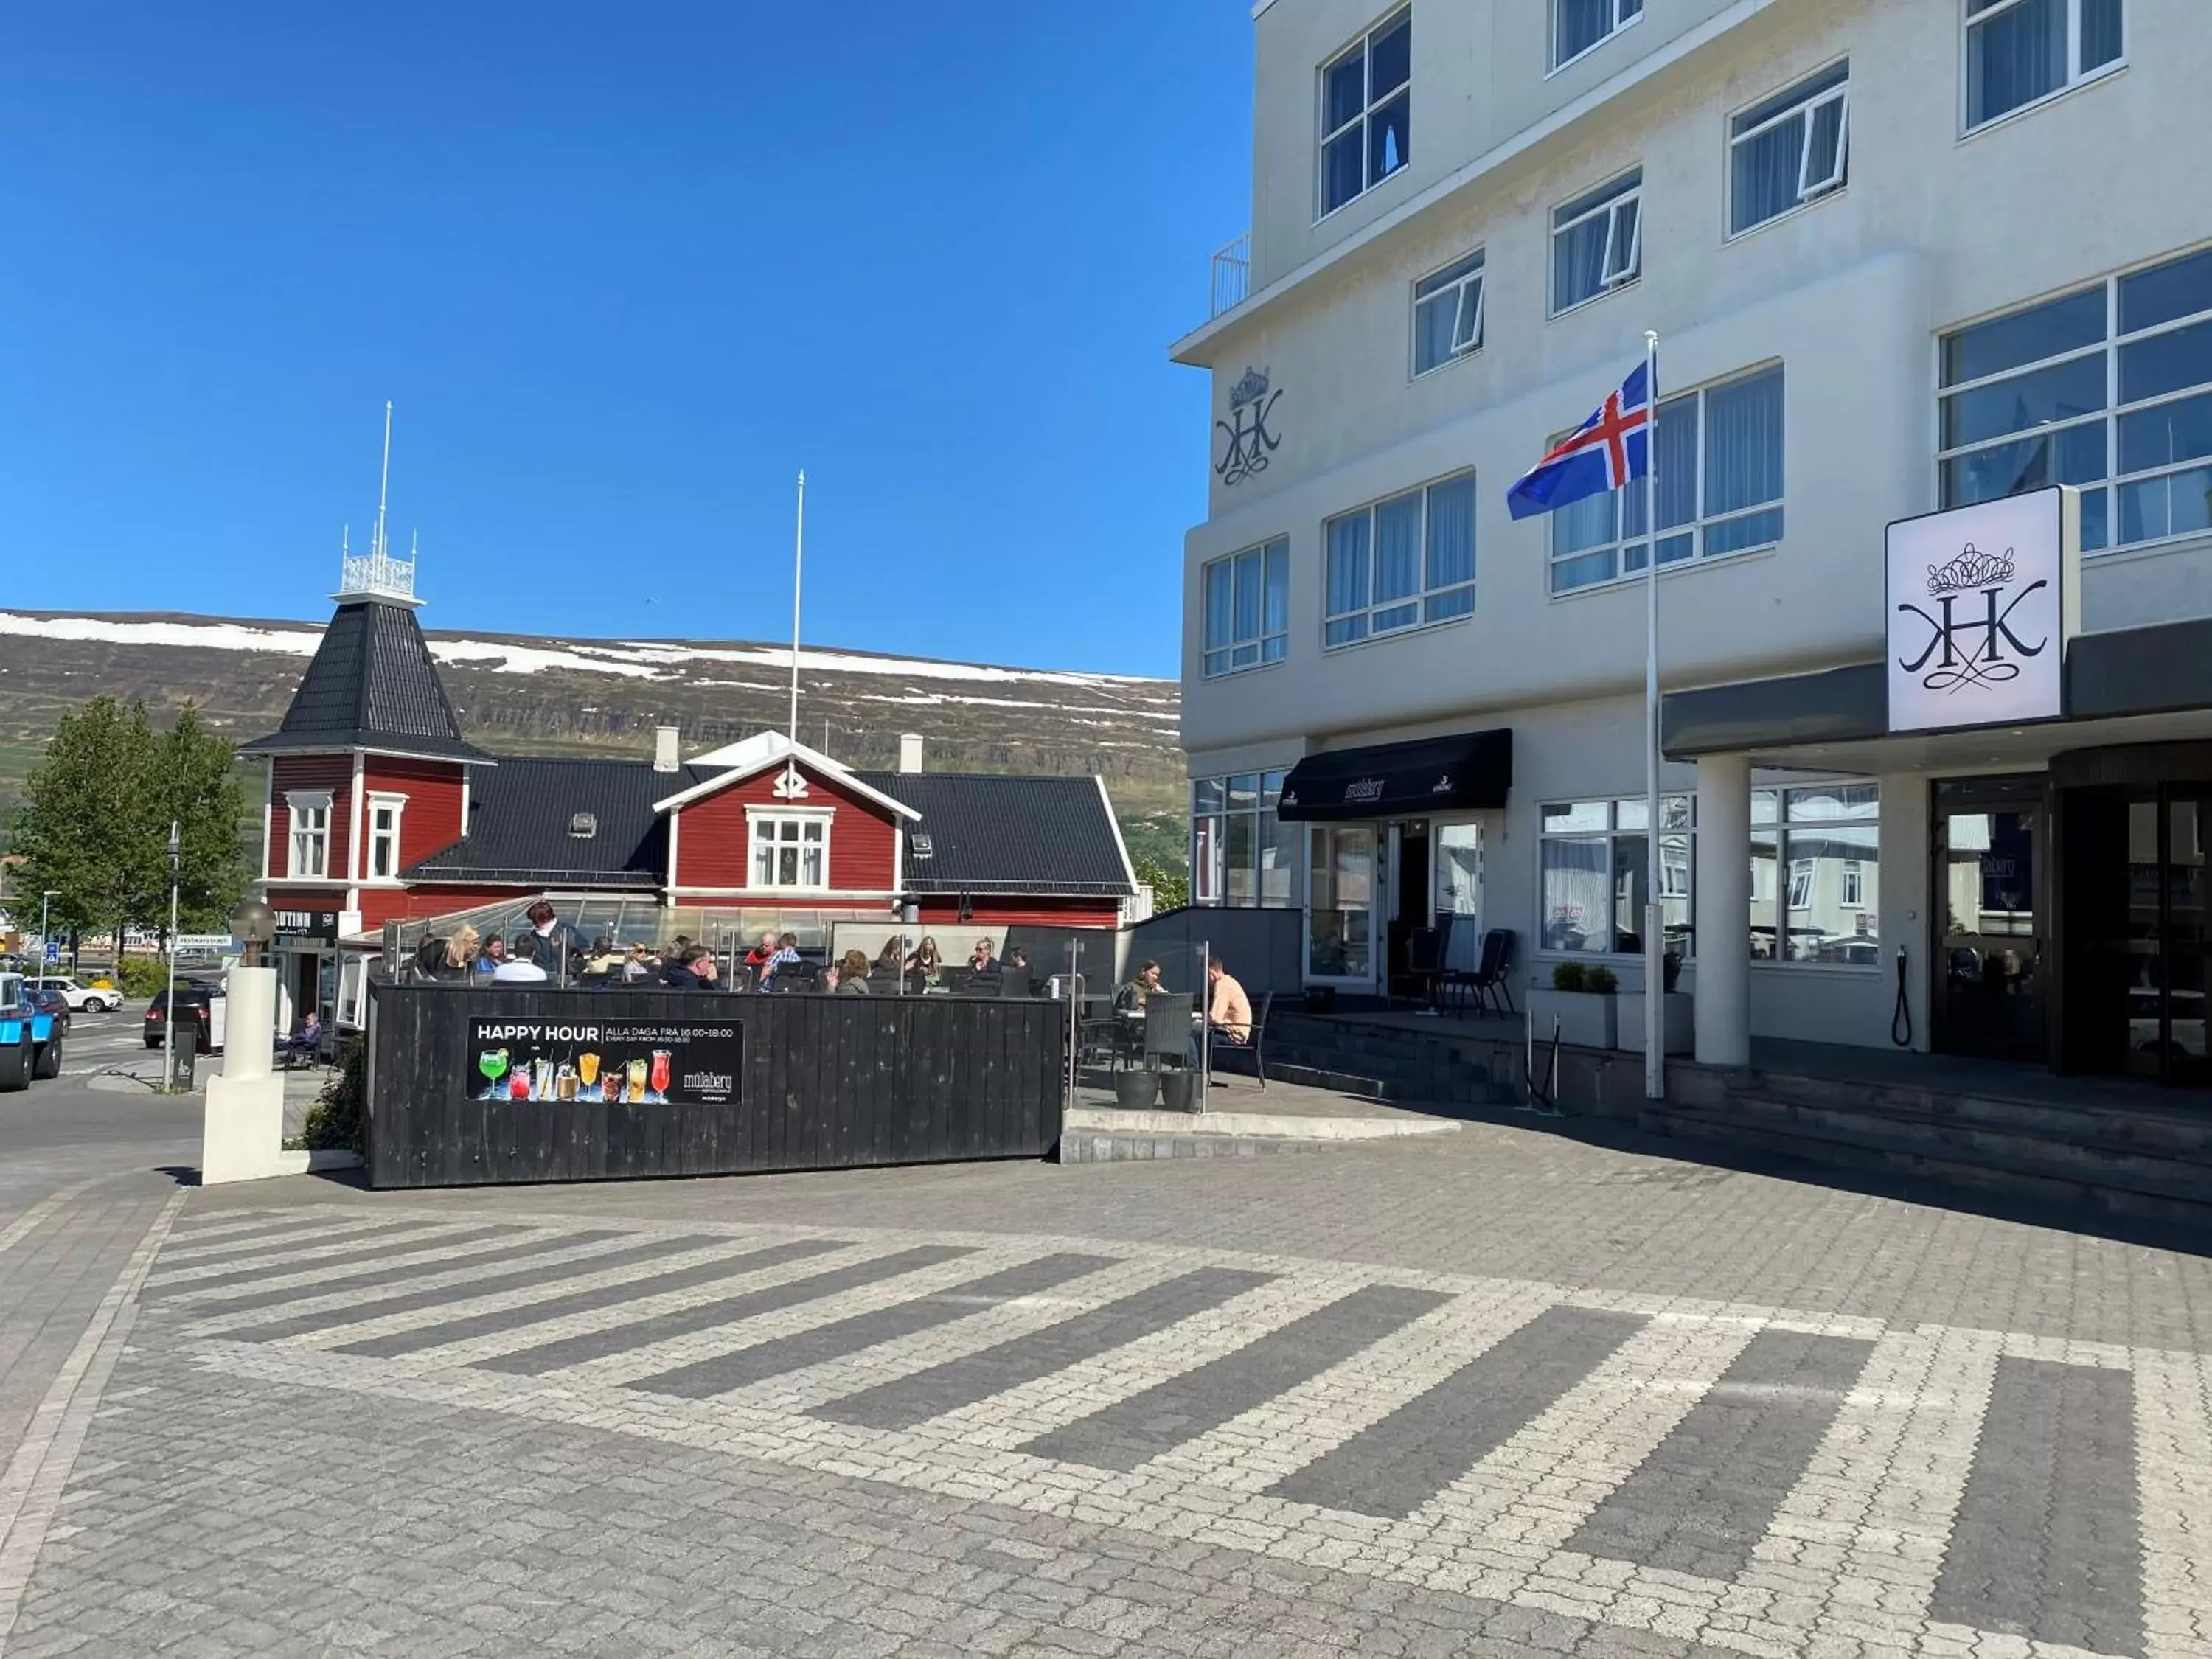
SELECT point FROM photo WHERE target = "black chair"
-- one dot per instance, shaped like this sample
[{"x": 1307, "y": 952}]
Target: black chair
[
  {"x": 1255, "y": 1046},
  {"x": 1424, "y": 961},
  {"x": 1491, "y": 976},
  {"x": 1018, "y": 983},
  {"x": 1167, "y": 1027}
]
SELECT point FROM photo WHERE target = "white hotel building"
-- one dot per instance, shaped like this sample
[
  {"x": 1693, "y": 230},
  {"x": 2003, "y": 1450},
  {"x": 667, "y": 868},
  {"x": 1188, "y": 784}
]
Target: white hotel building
[{"x": 1903, "y": 256}]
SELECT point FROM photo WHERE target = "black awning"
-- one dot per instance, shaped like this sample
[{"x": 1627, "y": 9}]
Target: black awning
[{"x": 1470, "y": 770}]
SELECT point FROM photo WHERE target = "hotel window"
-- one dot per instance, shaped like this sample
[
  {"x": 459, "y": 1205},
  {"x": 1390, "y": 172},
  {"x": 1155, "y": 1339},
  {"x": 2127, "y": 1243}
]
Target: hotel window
[
  {"x": 1367, "y": 99},
  {"x": 1828, "y": 837},
  {"x": 2109, "y": 388},
  {"x": 1791, "y": 149},
  {"x": 1400, "y": 563},
  {"x": 791, "y": 850},
  {"x": 1241, "y": 855},
  {"x": 1447, "y": 314},
  {"x": 2019, "y": 52},
  {"x": 1247, "y": 608},
  {"x": 1597, "y": 242},
  {"x": 1579, "y": 25},
  {"x": 384, "y": 814},
  {"x": 1719, "y": 485},
  {"x": 1593, "y": 870},
  {"x": 311, "y": 833}
]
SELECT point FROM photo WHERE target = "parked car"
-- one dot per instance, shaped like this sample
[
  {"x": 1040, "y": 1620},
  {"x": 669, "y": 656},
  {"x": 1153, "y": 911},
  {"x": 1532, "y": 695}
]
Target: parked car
[
  {"x": 198, "y": 1010},
  {"x": 91, "y": 998},
  {"x": 30, "y": 1045},
  {"x": 49, "y": 1001}
]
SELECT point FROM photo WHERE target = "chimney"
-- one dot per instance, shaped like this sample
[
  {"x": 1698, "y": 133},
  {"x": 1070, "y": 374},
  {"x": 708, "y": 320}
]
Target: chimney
[
  {"x": 909, "y": 752},
  {"x": 664, "y": 750}
]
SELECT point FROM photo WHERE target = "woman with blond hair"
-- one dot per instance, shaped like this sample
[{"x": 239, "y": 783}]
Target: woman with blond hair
[{"x": 457, "y": 960}]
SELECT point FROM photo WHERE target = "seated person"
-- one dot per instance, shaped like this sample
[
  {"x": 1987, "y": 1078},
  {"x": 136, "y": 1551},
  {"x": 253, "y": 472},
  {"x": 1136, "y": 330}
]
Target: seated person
[
  {"x": 1228, "y": 1010},
  {"x": 518, "y": 968},
  {"x": 756, "y": 959},
  {"x": 694, "y": 970},
  {"x": 853, "y": 974},
  {"x": 306, "y": 1042},
  {"x": 982, "y": 964},
  {"x": 925, "y": 965},
  {"x": 786, "y": 955},
  {"x": 1130, "y": 998},
  {"x": 827, "y": 980}
]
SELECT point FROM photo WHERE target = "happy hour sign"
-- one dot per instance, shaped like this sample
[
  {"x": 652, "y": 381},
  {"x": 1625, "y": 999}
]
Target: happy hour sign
[{"x": 615, "y": 1061}]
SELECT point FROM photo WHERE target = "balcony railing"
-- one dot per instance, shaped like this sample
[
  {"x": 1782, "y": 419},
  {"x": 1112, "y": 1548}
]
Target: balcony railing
[{"x": 1232, "y": 275}]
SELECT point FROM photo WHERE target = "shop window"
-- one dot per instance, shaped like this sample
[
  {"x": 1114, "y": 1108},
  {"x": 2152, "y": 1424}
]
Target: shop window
[
  {"x": 311, "y": 833},
  {"x": 1593, "y": 861},
  {"x": 1366, "y": 98},
  {"x": 1241, "y": 855},
  {"x": 384, "y": 815},
  {"x": 1828, "y": 839},
  {"x": 1246, "y": 599},
  {"x": 1792, "y": 150},
  {"x": 790, "y": 850},
  {"x": 2108, "y": 388},
  {"x": 2020, "y": 52},
  {"x": 1719, "y": 486},
  {"x": 1401, "y": 564}
]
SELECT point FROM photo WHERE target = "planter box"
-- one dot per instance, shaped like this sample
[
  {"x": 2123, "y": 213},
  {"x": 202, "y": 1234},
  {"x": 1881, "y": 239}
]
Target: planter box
[
  {"x": 1586, "y": 1020},
  {"x": 1677, "y": 1018}
]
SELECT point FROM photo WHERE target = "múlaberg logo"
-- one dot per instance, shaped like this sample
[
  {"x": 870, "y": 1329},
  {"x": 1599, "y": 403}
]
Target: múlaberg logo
[{"x": 1982, "y": 600}]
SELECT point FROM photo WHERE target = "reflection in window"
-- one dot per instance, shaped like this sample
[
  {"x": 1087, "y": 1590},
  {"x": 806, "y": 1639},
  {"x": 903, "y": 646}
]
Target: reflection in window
[
  {"x": 1594, "y": 875},
  {"x": 1827, "y": 837}
]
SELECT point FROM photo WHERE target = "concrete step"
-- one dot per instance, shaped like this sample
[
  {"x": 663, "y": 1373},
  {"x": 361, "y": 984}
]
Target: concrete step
[
  {"x": 2148, "y": 1127},
  {"x": 1872, "y": 1139}
]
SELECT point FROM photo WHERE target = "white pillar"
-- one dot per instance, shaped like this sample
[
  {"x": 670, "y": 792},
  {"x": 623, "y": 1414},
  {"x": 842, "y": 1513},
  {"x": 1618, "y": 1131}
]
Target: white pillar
[
  {"x": 242, "y": 1132},
  {"x": 1723, "y": 919}
]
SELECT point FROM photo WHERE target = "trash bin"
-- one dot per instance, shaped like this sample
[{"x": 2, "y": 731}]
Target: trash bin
[{"x": 182, "y": 1059}]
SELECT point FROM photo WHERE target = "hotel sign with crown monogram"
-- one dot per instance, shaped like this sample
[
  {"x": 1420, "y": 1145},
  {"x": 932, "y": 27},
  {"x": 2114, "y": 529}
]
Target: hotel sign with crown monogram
[
  {"x": 1983, "y": 601},
  {"x": 1247, "y": 439}
]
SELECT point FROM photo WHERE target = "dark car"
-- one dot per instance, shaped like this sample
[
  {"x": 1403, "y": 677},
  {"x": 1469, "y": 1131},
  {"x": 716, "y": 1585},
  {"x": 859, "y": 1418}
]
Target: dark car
[
  {"x": 50, "y": 1001},
  {"x": 192, "y": 1005}
]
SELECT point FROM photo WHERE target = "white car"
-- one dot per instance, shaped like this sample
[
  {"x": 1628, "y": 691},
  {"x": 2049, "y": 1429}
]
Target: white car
[{"x": 81, "y": 999}]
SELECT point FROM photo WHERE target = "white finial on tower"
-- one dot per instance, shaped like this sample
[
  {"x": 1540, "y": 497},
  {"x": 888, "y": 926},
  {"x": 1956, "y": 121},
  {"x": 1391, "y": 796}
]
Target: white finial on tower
[{"x": 376, "y": 574}]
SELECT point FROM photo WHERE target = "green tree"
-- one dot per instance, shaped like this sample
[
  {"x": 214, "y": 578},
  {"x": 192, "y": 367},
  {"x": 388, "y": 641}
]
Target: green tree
[
  {"x": 94, "y": 826},
  {"x": 1171, "y": 888}
]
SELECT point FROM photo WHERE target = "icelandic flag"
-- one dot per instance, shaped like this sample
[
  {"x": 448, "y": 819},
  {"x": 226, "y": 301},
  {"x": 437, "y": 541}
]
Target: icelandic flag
[{"x": 1604, "y": 452}]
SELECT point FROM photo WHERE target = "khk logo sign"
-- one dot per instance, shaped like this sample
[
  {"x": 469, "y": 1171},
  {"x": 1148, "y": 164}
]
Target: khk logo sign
[
  {"x": 1248, "y": 442},
  {"x": 1978, "y": 637}
]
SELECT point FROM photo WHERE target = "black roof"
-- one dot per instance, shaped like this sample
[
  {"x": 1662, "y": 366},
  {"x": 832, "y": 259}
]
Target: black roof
[
  {"x": 986, "y": 832},
  {"x": 520, "y": 814},
  {"x": 371, "y": 685}
]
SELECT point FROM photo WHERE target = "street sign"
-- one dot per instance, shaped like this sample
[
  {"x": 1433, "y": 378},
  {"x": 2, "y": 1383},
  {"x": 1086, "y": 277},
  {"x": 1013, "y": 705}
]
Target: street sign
[
  {"x": 202, "y": 943},
  {"x": 53, "y": 949}
]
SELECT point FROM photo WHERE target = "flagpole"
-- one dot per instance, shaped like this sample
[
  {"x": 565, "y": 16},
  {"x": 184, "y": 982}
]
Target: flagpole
[
  {"x": 798, "y": 564},
  {"x": 1655, "y": 942}
]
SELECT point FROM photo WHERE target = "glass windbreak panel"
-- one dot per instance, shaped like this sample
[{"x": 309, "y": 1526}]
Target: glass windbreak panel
[
  {"x": 1339, "y": 937},
  {"x": 1576, "y": 878}
]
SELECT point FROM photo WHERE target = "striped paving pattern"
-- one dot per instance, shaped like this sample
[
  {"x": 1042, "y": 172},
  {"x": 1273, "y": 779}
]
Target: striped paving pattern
[{"x": 1751, "y": 1479}]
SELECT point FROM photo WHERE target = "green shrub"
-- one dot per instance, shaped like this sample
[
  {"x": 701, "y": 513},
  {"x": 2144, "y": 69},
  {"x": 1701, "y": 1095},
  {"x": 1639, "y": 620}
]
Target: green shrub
[
  {"x": 334, "y": 1122},
  {"x": 1600, "y": 982},
  {"x": 141, "y": 976},
  {"x": 1569, "y": 976}
]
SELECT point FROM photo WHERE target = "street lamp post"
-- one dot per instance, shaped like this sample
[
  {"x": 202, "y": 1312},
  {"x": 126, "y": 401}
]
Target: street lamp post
[
  {"x": 169, "y": 944},
  {"x": 45, "y": 911}
]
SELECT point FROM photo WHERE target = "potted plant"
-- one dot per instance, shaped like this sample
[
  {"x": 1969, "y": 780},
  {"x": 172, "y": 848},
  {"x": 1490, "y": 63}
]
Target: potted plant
[
  {"x": 1136, "y": 1089},
  {"x": 1677, "y": 1013},
  {"x": 1584, "y": 999}
]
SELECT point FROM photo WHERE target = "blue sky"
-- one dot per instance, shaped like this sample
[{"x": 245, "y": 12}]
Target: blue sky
[{"x": 623, "y": 270}]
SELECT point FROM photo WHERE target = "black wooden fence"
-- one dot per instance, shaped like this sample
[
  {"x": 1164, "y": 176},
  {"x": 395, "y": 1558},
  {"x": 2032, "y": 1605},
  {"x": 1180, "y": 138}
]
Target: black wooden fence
[{"x": 751, "y": 1083}]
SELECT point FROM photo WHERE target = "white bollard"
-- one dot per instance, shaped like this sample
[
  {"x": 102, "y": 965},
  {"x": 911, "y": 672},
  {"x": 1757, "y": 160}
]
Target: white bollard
[{"x": 242, "y": 1134}]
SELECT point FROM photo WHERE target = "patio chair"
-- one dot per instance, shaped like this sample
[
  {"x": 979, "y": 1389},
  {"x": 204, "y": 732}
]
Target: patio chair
[
  {"x": 1255, "y": 1046},
  {"x": 1424, "y": 961},
  {"x": 1167, "y": 1027},
  {"x": 1491, "y": 977}
]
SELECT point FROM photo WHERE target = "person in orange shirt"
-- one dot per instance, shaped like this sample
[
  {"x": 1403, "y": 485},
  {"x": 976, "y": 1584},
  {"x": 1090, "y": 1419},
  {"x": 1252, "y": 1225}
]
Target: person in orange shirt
[{"x": 1228, "y": 1010}]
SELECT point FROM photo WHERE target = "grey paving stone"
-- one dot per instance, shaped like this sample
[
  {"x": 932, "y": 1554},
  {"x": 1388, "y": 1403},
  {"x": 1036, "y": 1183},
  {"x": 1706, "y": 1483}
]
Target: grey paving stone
[
  {"x": 621, "y": 1339},
  {"x": 721, "y": 1373},
  {"x": 2047, "y": 1544},
  {"x": 1700, "y": 1502},
  {"x": 907, "y": 1401},
  {"x": 379, "y": 1250},
  {"x": 1395, "y": 1465},
  {"x": 1139, "y": 1428}
]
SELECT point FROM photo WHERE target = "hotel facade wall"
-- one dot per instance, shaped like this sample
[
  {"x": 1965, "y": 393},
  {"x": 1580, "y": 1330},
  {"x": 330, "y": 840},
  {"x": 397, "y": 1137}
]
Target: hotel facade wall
[{"x": 1848, "y": 295}]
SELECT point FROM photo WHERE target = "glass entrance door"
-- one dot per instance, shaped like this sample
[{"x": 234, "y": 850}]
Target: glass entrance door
[
  {"x": 1341, "y": 904},
  {"x": 1989, "y": 934}
]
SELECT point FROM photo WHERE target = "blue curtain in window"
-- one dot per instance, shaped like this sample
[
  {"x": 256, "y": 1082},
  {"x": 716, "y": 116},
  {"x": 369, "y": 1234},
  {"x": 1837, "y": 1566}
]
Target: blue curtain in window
[
  {"x": 1451, "y": 534},
  {"x": 1767, "y": 172},
  {"x": 1277, "y": 609},
  {"x": 1578, "y": 261},
  {"x": 1347, "y": 564},
  {"x": 1397, "y": 553},
  {"x": 1743, "y": 444},
  {"x": 2014, "y": 56},
  {"x": 1219, "y": 577},
  {"x": 1582, "y": 24},
  {"x": 1248, "y": 597}
]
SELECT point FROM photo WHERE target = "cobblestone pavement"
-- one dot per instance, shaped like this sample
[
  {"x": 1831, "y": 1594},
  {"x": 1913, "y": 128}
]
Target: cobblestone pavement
[{"x": 1512, "y": 1396}]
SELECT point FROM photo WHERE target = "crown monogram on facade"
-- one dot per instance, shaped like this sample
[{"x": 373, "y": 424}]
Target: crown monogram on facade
[
  {"x": 1250, "y": 389},
  {"x": 1971, "y": 570}
]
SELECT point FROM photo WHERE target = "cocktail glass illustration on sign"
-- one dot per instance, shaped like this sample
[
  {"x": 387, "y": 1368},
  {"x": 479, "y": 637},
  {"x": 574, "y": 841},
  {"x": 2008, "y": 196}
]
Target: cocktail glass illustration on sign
[
  {"x": 637, "y": 1069},
  {"x": 541, "y": 1080},
  {"x": 492, "y": 1062},
  {"x": 587, "y": 1070},
  {"x": 518, "y": 1086},
  {"x": 564, "y": 1083},
  {"x": 660, "y": 1059}
]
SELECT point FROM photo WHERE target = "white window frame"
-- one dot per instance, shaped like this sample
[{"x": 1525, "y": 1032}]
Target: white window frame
[
  {"x": 1213, "y": 802},
  {"x": 1459, "y": 286},
  {"x": 773, "y": 820},
  {"x": 1612, "y": 835},
  {"x": 1422, "y": 598},
  {"x": 2076, "y": 76},
  {"x": 309, "y": 832},
  {"x": 1374, "y": 102},
  {"x": 2101, "y": 494},
  {"x": 1694, "y": 530},
  {"x": 383, "y": 801},
  {"x": 1800, "y": 884},
  {"x": 1854, "y": 882},
  {"x": 1611, "y": 198},
  {"x": 1622, "y": 14},
  {"x": 1241, "y": 652},
  {"x": 1801, "y": 103}
]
